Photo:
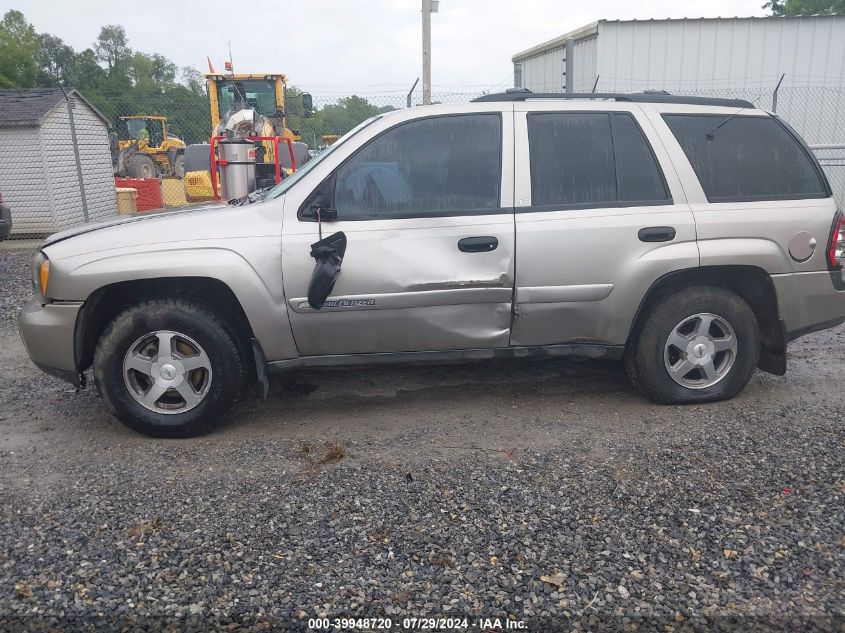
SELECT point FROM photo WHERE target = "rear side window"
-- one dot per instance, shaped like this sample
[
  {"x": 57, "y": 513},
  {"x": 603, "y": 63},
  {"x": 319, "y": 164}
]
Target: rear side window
[
  {"x": 745, "y": 158},
  {"x": 449, "y": 165},
  {"x": 592, "y": 159}
]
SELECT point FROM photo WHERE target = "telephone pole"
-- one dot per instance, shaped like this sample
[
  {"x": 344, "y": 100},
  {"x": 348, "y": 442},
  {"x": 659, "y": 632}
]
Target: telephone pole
[{"x": 428, "y": 7}]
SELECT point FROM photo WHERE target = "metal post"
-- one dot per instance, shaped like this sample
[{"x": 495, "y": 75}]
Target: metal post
[
  {"x": 595, "y": 85},
  {"x": 84, "y": 199},
  {"x": 428, "y": 7},
  {"x": 411, "y": 91},
  {"x": 775, "y": 93}
]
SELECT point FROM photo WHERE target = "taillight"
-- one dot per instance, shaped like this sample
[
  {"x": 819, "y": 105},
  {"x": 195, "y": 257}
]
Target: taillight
[{"x": 836, "y": 246}]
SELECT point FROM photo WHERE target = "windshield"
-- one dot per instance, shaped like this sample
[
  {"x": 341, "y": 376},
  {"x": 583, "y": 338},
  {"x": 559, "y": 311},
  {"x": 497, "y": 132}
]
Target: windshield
[
  {"x": 135, "y": 127},
  {"x": 291, "y": 180},
  {"x": 259, "y": 94}
]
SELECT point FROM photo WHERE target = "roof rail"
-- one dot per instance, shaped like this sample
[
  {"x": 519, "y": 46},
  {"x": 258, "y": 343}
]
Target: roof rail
[{"x": 633, "y": 97}]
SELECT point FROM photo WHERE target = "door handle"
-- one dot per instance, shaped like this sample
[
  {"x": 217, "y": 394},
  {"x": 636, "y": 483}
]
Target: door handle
[
  {"x": 479, "y": 244},
  {"x": 657, "y": 234}
]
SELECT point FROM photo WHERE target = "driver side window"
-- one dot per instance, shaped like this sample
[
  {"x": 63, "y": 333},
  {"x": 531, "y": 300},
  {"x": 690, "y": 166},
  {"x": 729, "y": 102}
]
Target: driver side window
[{"x": 447, "y": 165}]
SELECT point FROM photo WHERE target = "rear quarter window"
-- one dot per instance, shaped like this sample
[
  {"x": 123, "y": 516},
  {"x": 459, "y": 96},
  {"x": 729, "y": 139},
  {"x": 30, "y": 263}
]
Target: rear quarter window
[{"x": 747, "y": 158}]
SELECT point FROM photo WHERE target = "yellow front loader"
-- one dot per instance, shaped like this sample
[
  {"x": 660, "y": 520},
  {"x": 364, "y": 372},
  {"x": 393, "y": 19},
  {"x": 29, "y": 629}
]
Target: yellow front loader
[{"x": 144, "y": 148}]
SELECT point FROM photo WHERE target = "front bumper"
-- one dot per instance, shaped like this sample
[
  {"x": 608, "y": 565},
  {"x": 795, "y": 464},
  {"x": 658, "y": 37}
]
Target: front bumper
[{"x": 48, "y": 332}]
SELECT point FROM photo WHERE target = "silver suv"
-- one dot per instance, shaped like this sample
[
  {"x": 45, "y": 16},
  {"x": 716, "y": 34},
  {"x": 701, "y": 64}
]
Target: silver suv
[{"x": 692, "y": 237}]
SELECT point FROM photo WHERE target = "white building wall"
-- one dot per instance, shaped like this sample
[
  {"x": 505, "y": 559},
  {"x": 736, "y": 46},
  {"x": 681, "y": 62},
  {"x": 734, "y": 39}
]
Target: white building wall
[
  {"x": 739, "y": 53},
  {"x": 584, "y": 57},
  {"x": 95, "y": 160},
  {"x": 544, "y": 73},
  {"x": 93, "y": 140},
  {"x": 22, "y": 180}
]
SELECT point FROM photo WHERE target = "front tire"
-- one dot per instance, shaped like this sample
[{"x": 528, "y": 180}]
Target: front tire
[
  {"x": 168, "y": 368},
  {"x": 142, "y": 166},
  {"x": 179, "y": 166},
  {"x": 701, "y": 344}
]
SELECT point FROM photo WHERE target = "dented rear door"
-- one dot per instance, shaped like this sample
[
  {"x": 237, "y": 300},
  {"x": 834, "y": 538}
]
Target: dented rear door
[{"x": 426, "y": 205}]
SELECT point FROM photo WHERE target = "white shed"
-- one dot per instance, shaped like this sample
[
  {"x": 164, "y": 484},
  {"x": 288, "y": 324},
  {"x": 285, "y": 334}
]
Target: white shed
[{"x": 55, "y": 161}]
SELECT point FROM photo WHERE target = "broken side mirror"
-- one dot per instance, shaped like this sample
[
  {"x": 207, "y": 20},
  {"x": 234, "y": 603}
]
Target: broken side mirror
[{"x": 328, "y": 254}]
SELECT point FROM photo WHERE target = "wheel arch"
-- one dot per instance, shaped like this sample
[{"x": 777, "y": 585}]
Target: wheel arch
[
  {"x": 105, "y": 303},
  {"x": 751, "y": 283}
]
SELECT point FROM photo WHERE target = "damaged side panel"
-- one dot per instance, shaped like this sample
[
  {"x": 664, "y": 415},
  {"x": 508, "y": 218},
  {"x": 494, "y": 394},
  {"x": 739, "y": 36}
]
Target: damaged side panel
[{"x": 406, "y": 289}]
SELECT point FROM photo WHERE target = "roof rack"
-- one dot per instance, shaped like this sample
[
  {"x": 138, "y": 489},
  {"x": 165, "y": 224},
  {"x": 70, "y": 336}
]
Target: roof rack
[{"x": 632, "y": 97}]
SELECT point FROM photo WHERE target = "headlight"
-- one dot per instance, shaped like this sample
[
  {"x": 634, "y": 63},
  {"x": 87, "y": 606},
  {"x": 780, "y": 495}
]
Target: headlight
[{"x": 40, "y": 274}]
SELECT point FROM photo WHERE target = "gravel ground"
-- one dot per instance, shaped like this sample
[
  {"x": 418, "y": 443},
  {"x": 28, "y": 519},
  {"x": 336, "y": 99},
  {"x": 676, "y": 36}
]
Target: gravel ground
[
  {"x": 15, "y": 285},
  {"x": 548, "y": 493}
]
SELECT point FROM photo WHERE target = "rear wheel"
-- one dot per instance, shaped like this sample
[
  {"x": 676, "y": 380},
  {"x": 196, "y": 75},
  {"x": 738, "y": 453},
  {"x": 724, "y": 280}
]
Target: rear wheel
[
  {"x": 168, "y": 368},
  {"x": 697, "y": 345},
  {"x": 141, "y": 166}
]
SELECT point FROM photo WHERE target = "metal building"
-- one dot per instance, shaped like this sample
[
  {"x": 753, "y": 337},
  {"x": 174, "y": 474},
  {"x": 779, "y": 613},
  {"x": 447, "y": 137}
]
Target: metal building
[
  {"x": 55, "y": 161},
  {"x": 794, "y": 66},
  {"x": 688, "y": 54}
]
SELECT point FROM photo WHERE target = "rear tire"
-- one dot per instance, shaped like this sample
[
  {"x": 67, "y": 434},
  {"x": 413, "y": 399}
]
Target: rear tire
[
  {"x": 168, "y": 368},
  {"x": 141, "y": 166},
  {"x": 700, "y": 344}
]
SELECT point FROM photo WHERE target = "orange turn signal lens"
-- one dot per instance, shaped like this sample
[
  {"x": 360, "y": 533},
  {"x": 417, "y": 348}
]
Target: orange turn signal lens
[{"x": 44, "y": 276}]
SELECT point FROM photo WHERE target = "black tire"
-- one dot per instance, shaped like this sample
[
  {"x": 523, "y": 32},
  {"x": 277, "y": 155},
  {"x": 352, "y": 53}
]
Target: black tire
[
  {"x": 186, "y": 318},
  {"x": 644, "y": 354},
  {"x": 179, "y": 166},
  {"x": 142, "y": 166}
]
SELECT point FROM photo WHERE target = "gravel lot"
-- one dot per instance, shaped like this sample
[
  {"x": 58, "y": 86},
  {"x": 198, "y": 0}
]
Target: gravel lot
[{"x": 545, "y": 492}]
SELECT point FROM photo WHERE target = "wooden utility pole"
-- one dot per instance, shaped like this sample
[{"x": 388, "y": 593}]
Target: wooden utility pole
[{"x": 428, "y": 7}]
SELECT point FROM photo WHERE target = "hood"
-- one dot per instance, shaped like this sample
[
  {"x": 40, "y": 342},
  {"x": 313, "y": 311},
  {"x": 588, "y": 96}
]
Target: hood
[{"x": 90, "y": 227}]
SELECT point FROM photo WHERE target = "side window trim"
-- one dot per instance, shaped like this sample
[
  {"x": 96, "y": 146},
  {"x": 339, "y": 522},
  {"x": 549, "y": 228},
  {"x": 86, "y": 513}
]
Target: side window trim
[
  {"x": 660, "y": 172},
  {"x": 615, "y": 204},
  {"x": 715, "y": 199},
  {"x": 807, "y": 152},
  {"x": 501, "y": 209}
]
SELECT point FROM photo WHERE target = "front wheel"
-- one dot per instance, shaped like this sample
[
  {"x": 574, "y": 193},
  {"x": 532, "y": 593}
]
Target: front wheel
[
  {"x": 168, "y": 368},
  {"x": 697, "y": 345}
]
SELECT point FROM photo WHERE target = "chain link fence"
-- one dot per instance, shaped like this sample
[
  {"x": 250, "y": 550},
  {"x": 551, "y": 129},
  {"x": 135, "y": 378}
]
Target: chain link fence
[{"x": 817, "y": 113}]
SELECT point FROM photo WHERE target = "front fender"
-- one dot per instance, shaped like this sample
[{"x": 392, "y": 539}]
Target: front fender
[{"x": 255, "y": 280}]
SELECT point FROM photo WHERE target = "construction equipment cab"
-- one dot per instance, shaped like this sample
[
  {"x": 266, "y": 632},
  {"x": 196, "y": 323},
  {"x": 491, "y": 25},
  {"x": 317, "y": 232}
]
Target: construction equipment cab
[
  {"x": 143, "y": 148},
  {"x": 266, "y": 94}
]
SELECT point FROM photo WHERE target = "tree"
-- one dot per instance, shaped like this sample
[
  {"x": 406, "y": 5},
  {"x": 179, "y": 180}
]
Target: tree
[
  {"x": 85, "y": 72},
  {"x": 55, "y": 60},
  {"x": 19, "y": 45},
  {"x": 805, "y": 7},
  {"x": 112, "y": 47},
  {"x": 163, "y": 71},
  {"x": 193, "y": 80}
]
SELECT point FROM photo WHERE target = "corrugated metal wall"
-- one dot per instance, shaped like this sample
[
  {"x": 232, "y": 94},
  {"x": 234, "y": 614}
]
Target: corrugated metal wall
[
  {"x": 544, "y": 73},
  {"x": 585, "y": 57},
  {"x": 721, "y": 53},
  {"x": 22, "y": 180}
]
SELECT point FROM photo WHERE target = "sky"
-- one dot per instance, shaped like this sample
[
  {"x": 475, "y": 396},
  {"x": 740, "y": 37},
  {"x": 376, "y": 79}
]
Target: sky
[{"x": 352, "y": 46}]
